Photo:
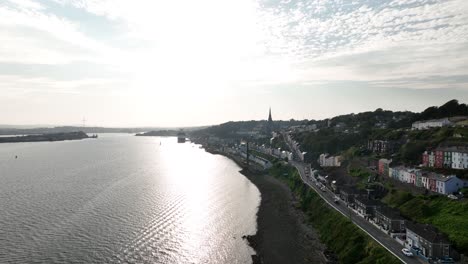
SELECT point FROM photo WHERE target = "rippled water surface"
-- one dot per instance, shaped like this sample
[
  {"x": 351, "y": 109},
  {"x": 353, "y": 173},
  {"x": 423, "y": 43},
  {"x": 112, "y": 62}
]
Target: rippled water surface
[{"x": 121, "y": 199}]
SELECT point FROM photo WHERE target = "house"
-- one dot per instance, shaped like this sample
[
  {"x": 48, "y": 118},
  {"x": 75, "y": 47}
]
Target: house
[
  {"x": 425, "y": 180},
  {"x": 366, "y": 207},
  {"x": 447, "y": 159},
  {"x": 326, "y": 160},
  {"x": 427, "y": 124},
  {"x": 432, "y": 179},
  {"x": 404, "y": 175},
  {"x": 413, "y": 177},
  {"x": 347, "y": 194},
  {"x": 425, "y": 159},
  {"x": 439, "y": 158},
  {"x": 460, "y": 158},
  {"x": 448, "y": 184},
  {"x": 431, "y": 159},
  {"x": 384, "y": 165},
  {"x": 418, "y": 181},
  {"x": 382, "y": 146},
  {"x": 427, "y": 241},
  {"x": 397, "y": 173},
  {"x": 455, "y": 157},
  {"x": 390, "y": 219}
]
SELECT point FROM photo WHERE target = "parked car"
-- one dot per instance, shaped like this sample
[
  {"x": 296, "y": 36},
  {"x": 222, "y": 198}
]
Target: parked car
[
  {"x": 407, "y": 252},
  {"x": 336, "y": 200}
]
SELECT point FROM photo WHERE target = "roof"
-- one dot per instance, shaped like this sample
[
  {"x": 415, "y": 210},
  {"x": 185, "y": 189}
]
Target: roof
[
  {"x": 463, "y": 149},
  {"x": 431, "y": 120},
  {"x": 428, "y": 232},
  {"x": 385, "y": 160},
  {"x": 349, "y": 189},
  {"x": 441, "y": 177},
  {"x": 368, "y": 202},
  {"x": 390, "y": 213}
]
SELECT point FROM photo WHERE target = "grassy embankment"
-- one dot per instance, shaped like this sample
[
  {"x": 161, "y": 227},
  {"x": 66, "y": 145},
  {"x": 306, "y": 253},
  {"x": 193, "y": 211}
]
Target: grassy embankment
[
  {"x": 339, "y": 234},
  {"x": 449, "y": 216}
]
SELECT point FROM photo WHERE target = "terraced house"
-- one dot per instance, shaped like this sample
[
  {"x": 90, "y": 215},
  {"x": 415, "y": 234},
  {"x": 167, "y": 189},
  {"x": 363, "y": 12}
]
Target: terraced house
[
  {"x": 390, "y": 219},
  {"x": 427, "y": 242},
  {"x": 434, "y": 182},
  {"x": 455, "y": 157}
]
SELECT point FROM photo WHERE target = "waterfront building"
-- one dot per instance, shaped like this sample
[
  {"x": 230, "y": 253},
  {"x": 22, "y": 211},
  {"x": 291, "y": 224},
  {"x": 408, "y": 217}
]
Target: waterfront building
[
  {"x": 426, "y": 241},
  {"x": 390, "y": 219},
  {"x": 366, "y": 207}
]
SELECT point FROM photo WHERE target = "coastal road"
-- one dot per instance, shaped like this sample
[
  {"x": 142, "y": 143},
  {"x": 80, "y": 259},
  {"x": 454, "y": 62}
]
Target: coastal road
[{"x": 383, "y": 239}]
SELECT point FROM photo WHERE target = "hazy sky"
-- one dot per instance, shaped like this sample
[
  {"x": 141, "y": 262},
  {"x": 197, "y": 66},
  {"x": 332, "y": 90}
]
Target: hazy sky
[{"x": 186, "y": 62}]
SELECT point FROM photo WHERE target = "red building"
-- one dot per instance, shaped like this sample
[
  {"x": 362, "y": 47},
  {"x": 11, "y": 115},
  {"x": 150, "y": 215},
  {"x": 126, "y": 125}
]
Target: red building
[
  {"x": 432, "y": 184},
  {"x": 383, "y": 166},
  {"x": 439, "y": 159},
  {"x": 425, "y": 158}
]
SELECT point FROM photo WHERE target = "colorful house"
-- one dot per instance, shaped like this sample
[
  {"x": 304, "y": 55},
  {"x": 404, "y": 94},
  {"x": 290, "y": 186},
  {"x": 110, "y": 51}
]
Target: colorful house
[
  {"x": 419, "y": 182},
  {"x": 384, "y": 165},
  {"x": 460, "y": 159},
  {"x": 447, "y": 159},
  {"x": 449, "y": 184},
  {"x": 439, "y": 158}
]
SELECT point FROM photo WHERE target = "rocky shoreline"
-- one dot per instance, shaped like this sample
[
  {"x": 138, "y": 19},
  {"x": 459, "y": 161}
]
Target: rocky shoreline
[{"x": 282, "y": 236}]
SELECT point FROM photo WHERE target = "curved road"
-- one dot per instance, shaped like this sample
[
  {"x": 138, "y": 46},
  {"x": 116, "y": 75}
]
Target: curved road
[{"x": 383, "y": 239}]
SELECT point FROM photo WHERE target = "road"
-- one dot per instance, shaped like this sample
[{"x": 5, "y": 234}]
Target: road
[{"x": 383, "y": 239}]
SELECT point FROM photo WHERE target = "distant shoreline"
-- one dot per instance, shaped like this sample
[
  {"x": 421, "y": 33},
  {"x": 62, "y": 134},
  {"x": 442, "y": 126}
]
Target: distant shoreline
[{"x": 45, "y": 137}]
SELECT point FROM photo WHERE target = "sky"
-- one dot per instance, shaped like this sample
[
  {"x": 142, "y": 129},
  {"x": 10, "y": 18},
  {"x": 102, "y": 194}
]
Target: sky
[{"x": 189, "y": 63}]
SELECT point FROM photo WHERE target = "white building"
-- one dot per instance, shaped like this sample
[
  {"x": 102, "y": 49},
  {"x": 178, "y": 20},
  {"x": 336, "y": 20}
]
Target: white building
[
  {"x": 460, "y": 159},
  {"x": 426, "y": 124},
  {"x": 326, "y": 160},
  {"x": 405, "y": 175}
]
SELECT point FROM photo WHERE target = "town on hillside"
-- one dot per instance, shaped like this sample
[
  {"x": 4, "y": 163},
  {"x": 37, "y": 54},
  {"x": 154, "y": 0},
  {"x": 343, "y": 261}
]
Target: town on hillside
[{"x": 405, "y": 173}]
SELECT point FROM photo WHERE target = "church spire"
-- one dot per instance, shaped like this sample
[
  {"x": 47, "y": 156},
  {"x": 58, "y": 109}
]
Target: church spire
[{"x": 269, "y": 117}]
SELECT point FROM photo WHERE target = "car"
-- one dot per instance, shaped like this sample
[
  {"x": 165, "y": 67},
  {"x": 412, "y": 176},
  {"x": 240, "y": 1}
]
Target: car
[
  {"x": 407, "y": 252},
  {"x": 453, "y": 197},
  {"x": 336, "y": 200}
]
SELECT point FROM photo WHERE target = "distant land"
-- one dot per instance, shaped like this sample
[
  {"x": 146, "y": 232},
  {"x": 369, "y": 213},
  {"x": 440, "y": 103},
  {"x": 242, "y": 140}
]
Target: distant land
[
  {"x": 159, "y": 133},
  {"x": 45, "y": 137},
  {"x": 26, "y": 130}
]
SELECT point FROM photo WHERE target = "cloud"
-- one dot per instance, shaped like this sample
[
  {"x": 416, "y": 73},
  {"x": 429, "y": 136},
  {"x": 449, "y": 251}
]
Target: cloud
[
  {"x": 370, "y": 40},
  {"x": 215, "y": 48}
]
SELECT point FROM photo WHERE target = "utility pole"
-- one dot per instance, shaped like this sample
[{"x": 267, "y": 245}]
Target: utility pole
[
  {"x": 84, "y": 122},
  {"x": 248, "y": 153}
]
